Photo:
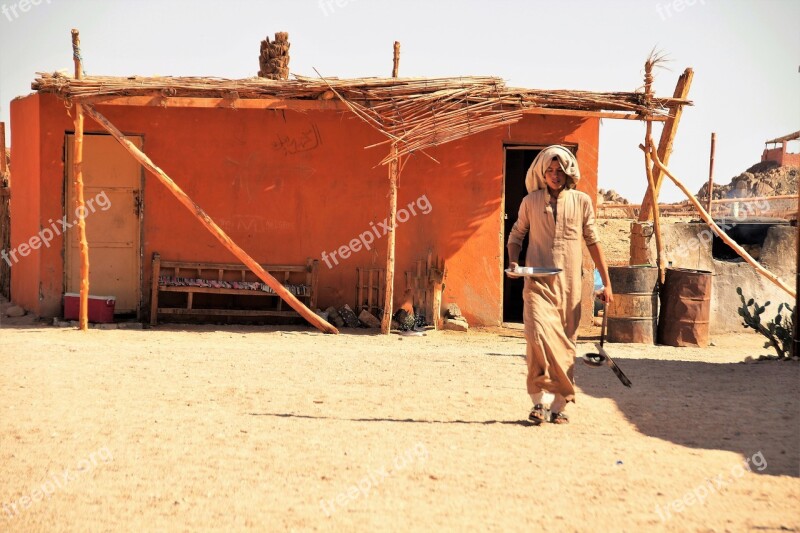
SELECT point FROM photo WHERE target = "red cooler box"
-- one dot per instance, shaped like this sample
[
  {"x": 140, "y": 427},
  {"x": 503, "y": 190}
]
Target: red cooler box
[{"x": 101, "y": 308}]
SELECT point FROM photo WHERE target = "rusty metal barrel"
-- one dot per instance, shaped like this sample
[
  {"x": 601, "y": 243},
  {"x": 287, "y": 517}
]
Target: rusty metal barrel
[
  {"x": 685, "y": 308},
  {"x": 632, "y": 315}
]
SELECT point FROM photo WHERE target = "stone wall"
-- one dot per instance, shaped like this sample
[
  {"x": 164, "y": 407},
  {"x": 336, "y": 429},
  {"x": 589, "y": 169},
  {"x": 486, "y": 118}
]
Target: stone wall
[{"x": 688, "y": 245}]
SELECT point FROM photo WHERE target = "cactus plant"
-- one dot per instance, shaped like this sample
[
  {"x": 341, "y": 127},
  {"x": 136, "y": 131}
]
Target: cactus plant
[{"x": 778, "y": 331}]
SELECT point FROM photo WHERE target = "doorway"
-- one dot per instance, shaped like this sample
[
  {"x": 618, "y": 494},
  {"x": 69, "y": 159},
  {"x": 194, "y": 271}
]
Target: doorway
[
  {"x": 113, "y": 197},
  {"x": 517, "y": 161}
]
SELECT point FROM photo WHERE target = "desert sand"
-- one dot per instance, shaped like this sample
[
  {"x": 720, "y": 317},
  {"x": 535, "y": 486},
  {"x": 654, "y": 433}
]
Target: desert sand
[{"x": 228, "y": 428}]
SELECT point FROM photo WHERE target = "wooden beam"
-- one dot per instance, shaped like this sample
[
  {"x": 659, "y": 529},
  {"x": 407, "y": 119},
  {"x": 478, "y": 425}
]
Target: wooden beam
[
  {"x": 666, "y": 141},
  {"x": 714, "y": 202},
  {"x": 388, "y": 305},
  {"x": 308, "y": 105},
  {"x": 210, "y": 225},
  {"x": 718, "y": 231},
  {"x": 80, "y": 206},
  {"x": 224, "y": 103},
  {"x": 588, "y": 114}
]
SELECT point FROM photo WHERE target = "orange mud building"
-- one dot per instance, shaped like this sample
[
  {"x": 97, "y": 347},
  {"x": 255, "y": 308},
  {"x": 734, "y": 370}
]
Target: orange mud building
[{"x": 287, "y": 182}]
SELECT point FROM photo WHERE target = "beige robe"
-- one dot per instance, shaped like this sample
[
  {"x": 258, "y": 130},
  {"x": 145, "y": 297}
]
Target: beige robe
[{"x": 552, "y": 309}]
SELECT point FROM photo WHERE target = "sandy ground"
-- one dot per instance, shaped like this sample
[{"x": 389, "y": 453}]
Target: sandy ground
[{"x": 257, "y": 428}]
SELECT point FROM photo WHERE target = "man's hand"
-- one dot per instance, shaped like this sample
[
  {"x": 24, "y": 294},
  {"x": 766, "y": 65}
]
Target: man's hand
[
  {"x": 513, "y": 266},
  {"x": 605, "y": 295}
]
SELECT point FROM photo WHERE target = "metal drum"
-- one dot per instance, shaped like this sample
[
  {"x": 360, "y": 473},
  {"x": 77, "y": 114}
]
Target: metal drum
[
  {"x": 632, "y": 315},
  {"x": 685, "y": 308}
]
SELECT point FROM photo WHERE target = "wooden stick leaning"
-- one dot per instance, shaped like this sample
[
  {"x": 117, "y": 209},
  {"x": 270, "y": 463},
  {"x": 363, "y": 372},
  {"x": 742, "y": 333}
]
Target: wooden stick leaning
[
  {"x": 210, "y": 225},
  {"x": 80, "y": 206},
  {"x": 717, "y": 230},
  {"x": 656, "y": 215}
]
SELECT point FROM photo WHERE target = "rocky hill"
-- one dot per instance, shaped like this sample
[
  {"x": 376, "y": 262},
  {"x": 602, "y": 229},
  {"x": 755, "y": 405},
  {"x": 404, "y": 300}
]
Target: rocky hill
[
  {"x": 610, "y": 197},
  {"x": 762, "y": 179}
]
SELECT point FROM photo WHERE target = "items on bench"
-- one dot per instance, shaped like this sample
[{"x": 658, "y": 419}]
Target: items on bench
[{"x": 229, "y": 279}]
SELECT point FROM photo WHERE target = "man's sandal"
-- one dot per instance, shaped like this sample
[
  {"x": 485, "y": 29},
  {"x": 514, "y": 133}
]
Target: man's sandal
[
  {"x": 559, "y": 418},
  {"x": 537, "y": 415}
]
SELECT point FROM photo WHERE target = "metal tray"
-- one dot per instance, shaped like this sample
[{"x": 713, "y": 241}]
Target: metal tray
[{"x": 532, "y": 272}]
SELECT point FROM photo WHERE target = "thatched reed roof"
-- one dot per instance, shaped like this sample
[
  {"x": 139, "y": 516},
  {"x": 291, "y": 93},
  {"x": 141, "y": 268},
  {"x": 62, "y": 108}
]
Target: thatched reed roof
[
  {"x": 361, "y": 89},
  {"x": 414, "y": 113}
]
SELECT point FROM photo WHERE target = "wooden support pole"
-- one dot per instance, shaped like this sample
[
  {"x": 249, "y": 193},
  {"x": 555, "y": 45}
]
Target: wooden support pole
[
  {"x": 388, "y": 305},
  {"x": 651, "y": 186},
  {"x": 210, "y": 225},
  {"x": 80, "y": 206},
  {"x": 667, "y": 138},
  {"x": 718, "y": 231},
  {"x": 3, "y": 166},
  {"x": 396, "y": 66},
  {"x": 711, "y": 172},
  {"x": 639, "y": 249},
  {"x": 796, "y": 343}
]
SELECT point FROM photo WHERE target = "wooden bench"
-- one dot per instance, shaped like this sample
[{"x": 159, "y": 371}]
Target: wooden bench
[{"x": 193, "y": 278}]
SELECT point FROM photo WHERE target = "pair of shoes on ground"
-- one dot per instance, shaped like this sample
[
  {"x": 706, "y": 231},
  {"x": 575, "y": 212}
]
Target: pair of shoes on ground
[{"x": 540, "y": 414}]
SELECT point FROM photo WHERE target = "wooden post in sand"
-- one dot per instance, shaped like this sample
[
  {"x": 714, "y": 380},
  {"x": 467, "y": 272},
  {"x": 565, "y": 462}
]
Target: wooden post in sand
[
  {"x": 3, "y": 167},
  {"x": 796, "y": 343},
  {"x": 651, "y": 185},
  {"x": 711, "y": 172},
  {"x": 210, "y": 225},
  {"x": 638, "y": 241},
  {"x": 80, "y": 206},
  {"x": 388, "y": 303},
  {"x": 388, "y": 306}
]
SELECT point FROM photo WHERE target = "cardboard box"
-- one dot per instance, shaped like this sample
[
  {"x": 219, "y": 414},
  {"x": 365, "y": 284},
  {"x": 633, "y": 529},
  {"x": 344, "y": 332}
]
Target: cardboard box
[{"x": 101, "y": 308}]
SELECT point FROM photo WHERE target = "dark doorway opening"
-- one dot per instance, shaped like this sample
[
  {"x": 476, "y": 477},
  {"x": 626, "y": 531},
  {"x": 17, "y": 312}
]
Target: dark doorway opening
[
  {"x": 749, "y": 234},
  {"x": 518, "y": 160}
]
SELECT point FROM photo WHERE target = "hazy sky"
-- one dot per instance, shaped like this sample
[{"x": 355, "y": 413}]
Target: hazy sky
[{"x": 745, "y": 55}]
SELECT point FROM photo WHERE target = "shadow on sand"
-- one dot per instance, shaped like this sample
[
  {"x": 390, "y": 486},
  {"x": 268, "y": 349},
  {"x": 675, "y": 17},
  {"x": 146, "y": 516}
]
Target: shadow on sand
[
  {"x": 403, "y": 420},
  {"x": 743, "y": 408}
]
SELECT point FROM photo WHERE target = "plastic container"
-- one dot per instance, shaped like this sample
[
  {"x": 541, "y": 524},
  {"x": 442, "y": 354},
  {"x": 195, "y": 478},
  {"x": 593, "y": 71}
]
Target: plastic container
[{"x": 101, "y": 308}]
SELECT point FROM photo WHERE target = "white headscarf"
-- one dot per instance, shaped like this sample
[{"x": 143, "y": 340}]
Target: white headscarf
[{"x": 534, "y": 180}]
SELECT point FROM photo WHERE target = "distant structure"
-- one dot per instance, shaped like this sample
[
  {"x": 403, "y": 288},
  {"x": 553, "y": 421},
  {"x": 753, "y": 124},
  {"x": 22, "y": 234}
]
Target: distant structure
[{"x": 778, "y": 153}]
